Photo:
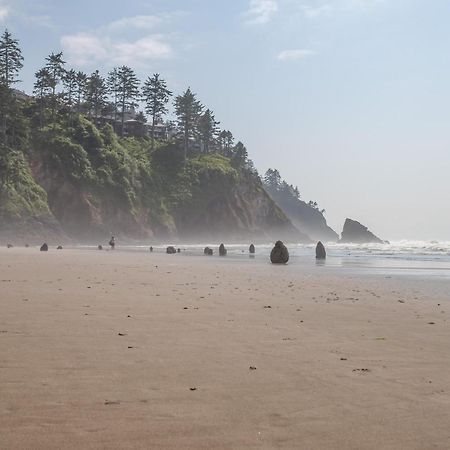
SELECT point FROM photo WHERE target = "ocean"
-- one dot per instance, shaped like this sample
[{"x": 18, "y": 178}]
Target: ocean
[{"x": 429, "y": 259}]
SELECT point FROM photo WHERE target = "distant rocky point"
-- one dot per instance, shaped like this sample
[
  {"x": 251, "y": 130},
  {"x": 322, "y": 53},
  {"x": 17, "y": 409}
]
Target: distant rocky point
[{"x": 355, "y": 232}]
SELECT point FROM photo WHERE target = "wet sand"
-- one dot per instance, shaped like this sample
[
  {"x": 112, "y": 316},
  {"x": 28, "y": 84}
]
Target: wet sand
[{"x": 117, "y": 350}]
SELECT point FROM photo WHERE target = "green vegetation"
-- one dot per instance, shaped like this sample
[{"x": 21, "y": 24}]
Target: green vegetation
[{"x": 98, "y": 161}]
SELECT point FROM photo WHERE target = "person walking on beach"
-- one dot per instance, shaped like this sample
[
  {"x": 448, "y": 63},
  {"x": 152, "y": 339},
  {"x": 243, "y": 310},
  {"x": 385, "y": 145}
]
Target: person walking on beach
[{"x": 112, "y": 242}]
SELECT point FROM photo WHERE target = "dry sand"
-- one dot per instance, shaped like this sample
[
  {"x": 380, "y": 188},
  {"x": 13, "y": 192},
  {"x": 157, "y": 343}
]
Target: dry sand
[{"x": 116, "y": 350}]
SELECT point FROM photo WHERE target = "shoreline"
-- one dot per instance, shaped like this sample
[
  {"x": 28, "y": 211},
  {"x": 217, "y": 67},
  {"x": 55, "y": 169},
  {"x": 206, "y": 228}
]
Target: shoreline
[{"x": 105, "y": 349}]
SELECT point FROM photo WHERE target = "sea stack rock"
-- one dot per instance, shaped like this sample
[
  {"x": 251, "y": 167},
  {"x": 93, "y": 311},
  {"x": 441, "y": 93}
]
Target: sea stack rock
[
  {"x": 320, "y": 251},
  {"x": 222, "y": 250},
  {"x": 279, "y": 254},
  {"x": 357, "y": 233},
  {"x": 59, "y": 247},
  {"x": 208, "y": 251},
  {"x": 151, "y": 249},
  {"x": 100, "y": 247},
  {"x": 44, "y": 248},
  {"x": 251, "y": 249},
  {"x": 171, "y": 250}
]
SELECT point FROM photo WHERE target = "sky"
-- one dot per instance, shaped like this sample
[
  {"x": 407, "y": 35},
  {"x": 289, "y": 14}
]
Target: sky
[{"x": 348, "y": 99}]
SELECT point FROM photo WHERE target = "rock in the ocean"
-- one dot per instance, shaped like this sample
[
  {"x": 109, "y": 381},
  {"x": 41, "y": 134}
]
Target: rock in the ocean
[
  {"x": 355, "y": 232},
  {"x": 208, "y": 251},
  {"x": 279, "y": 254},
  {"x": 151, "y": 249},
  {"x": 178, "y": 250},
  {"x": 59, "y": 247},
  {"x": 171, "y": 250},
  {"x": 320, "y": 251},
  {"x": 251, "y": 249},
  {"x": 100, "y": 247},
  {"x": 222, "y": 250},
  {"x": 9, "y": 246},
  {"x": 44, "y": 248}
]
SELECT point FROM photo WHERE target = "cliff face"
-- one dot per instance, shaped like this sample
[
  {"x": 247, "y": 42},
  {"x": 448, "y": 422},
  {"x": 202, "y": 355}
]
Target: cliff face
[
  {"x": 357, "y": 233},
  {"x": 306, "y": 218},
  {"x": 88, "y": 184},
  {"x": 226, "y": 204},
  {"x": 24, "y": 211}
]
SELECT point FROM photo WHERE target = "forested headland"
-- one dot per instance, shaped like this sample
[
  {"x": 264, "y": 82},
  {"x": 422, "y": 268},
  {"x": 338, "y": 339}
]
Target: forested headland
[{"x": 85, "y": 155}]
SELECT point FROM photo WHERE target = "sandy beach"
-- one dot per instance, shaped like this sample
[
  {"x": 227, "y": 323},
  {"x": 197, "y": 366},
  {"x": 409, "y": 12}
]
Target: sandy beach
[{"x": 132, "y": 350}]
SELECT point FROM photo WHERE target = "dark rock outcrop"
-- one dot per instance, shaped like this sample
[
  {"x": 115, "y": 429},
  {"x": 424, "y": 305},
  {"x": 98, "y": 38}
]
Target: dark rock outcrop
[
  {"x": 251, "y": 249},
  {"x": 151, "y": 249},
  {"x": 279, "y": 254},
  {"x": 357, "y": 233},
  {"x": 222, "y": 250},
  {"x": 100, "y": 247},
  {"x": 44, "y": 248},
  {"x": 9, "y": 246},
  {"x": 59, "y": 247},
  {"x": 208, "y": 251},
  {"x": 171, "y": 250},
  {"x": 320, "y": 251}
]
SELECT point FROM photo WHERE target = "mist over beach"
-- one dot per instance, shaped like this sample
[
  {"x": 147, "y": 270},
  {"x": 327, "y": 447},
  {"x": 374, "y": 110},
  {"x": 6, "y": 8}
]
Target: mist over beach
[{"x": 224, "y": 225}]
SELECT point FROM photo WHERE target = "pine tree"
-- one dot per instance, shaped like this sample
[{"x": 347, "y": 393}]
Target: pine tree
[
  {"x": 42, "y": 91},
  {"x": 70, "y": 87},
  {"x": 112, "y": 83},
  {"x": 55, "y": 68},
  {"x": 81, "y": 81},
  {"x": 188, "y": 110},
  {"x": 272, "y": 179},
  {"x": 226, "y": 142},
  {"x": 96, "y": 93},
  {"x": 156, "y": 96},
  {"x": 240, "y": 155},
  {"x": 11, "y": 61},
  {"x": 128, "y": 91},
  {"x": 207, "y": 130}
]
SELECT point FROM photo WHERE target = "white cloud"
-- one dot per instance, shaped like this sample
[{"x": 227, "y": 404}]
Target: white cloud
[
  {"x": 311, "y": 12},
  {"x": 318, "y": 8},
  {"x": 137, "y": 22},
  {"x": 260, "y": 11},
  {"x": 112, "y": 44},
  {"x": 295, "y": 54},
  {"x": 4, "y": 11}
]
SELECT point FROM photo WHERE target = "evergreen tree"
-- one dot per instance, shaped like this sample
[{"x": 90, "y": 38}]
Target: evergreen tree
[
  {"x": 207, "y": 130},
  {"x": 70, "y": 87},
  {"x": 112, "y": 83},
  {"x": 156, "y": 96},
  {"x": 240, "y": 155},
  {"x": 127, "y": 90},
  {"x": 96, "y": 93},
  {"x": 226, "y": 142},
  {"x": 188, "y": 110},
  {"x": 55, "y": 68},
  {"x": 11, "y": 61},
  {"x": 42, "y": 91},
  {"x": 81, "y": 85},
  {"x": 272, "y": 179}
]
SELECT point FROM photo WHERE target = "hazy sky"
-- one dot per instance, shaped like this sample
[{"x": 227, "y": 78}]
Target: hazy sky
[{"x": 349, "y": 99}]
